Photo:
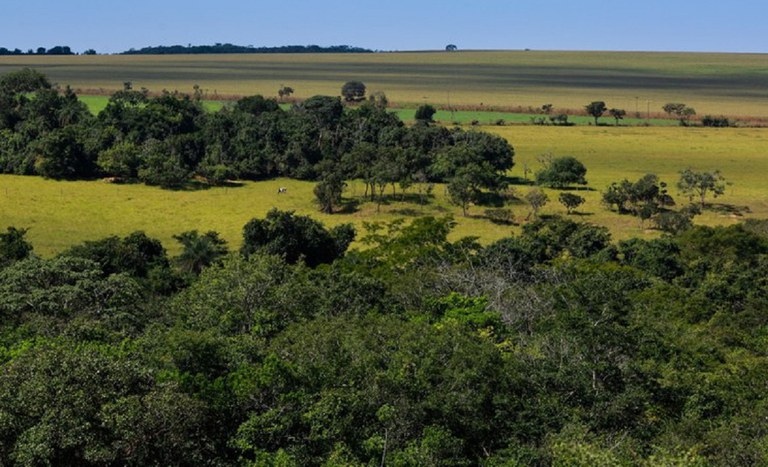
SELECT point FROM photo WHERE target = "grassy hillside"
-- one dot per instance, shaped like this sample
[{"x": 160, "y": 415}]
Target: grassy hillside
[
  {"x": 60, "y": 214},
  {"x": 730, "y": 84}
]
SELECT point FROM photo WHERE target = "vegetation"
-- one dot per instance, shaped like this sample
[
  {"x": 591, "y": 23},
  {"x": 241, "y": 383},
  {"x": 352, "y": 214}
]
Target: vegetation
[
  {"x": 638, "y": 82},
  {"x": 596, "y": 109},
  {"x": 560, "y": 172},
  {"x": 700, "y": 184},
  {"x": 241, "y": 49},
  {"x": 681, "y": 111},
  {"x": 416, "y": 350}
]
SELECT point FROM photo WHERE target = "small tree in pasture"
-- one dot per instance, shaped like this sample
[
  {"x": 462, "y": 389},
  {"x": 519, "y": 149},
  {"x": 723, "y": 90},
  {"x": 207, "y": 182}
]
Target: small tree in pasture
[
  {"x": 700, "y": 184},
  {"x": 617, "y": 114},
  {"x": 536, "y": 199},
  {"x": 596, "y": 109},
  {"x": 680, "y": 111},
  {"x": 570, "y": 201},
  {"x": 353, "y": 91}
]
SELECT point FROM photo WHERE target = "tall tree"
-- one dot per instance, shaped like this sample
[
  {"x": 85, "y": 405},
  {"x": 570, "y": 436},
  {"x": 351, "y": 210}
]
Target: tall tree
[{"x": 596, "y": 109}]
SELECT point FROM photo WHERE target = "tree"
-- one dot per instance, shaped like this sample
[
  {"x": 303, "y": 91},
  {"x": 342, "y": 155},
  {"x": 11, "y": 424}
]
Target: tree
[
  {"x": 256, "y": 105},
  {"x": 700, "y": 184},
  {"x": 353, "y": 91},
  {"x": 13, "y": 246},
  {"x": 329, "y": 190},
  {"x": 679, "y": 110},
  {"x": 199, "y": 251},
  {"x": 296, "y": 238},
  {"x": 643, "y": 198},
  {"x": 570, "y": 201},
  {"x": 536, "y": 199},
  {"x": 451, "y": 48},
  {"x": 617, "y": 114},
  {"x": 284, "y": 91},
  {"x": 425, "y": 113},
  {"x": 561, "y": 172},
  {"x": 596, "y": 109}
]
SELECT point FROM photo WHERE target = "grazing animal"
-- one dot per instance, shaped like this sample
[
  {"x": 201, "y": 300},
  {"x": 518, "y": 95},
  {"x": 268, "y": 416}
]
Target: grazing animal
[{"x": 282, "y": 189}]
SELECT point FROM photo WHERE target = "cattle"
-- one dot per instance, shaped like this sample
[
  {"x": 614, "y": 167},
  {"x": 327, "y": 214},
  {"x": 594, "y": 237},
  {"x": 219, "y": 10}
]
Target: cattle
[{"x": 282, "y": 189}]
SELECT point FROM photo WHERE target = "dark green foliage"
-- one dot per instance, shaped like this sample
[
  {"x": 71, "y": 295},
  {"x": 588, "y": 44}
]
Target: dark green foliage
[
  {"x": 77, "y": 405},
  {"x": 715, "y": 122},
  {"x": 296, "y": 238},
  {"x": 561, "y": 172},
  {"x": 596, "y": 109},
  {"x": 200, "y": 251},
  {"x": 13, "y": 246},
  {"x": 425, "y": 113},
  {"x": 570, "y": 201},
  {"x": 256, "y": 105},
  {"x": 643, "y": 198},
  {"x": 353, "y": 91}
]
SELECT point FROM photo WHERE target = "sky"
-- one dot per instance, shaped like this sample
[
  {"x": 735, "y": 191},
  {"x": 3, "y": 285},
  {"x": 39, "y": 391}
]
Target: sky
[{"x": 653, "y": 25}]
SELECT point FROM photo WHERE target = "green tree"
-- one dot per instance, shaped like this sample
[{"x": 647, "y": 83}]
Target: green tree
[
  {"x": 256, "y": 105},
  {"x": 617, "y": 114},
  {"x": 596, "y": 109},
  {"x": 570, "y": 201},
  {"x": 701, "y": 184},
  {"x": 328, "y": 192},
  {"x": 284, "y": 91},
  {"x": 561, "y": 172},
  {"x": 13, "y": 246},
  {"x": 536, "y": 199},
  {"x": 199, "y": 251},
  {"x": 353, "y": 91},
  {"x": 425, "y": 113},
  {"x": 679, "y": 110},
  {"x": 296, "y": 238}
]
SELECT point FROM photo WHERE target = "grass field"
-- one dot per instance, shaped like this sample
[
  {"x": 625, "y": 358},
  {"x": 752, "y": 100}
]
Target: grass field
[
  {"x": 97, "y": 103},
  {"x": 60, "y": 214},
  {"x": 731, "y": 84}
]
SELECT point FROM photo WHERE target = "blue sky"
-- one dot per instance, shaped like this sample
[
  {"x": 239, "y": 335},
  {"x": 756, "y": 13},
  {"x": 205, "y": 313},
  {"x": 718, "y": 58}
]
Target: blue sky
[{"x": 109, "y": 26}]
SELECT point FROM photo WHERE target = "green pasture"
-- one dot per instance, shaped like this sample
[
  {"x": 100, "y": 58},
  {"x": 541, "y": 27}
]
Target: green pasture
[
  {"x": 730, "y": 84},
  {"x": 60, "y": 214}
]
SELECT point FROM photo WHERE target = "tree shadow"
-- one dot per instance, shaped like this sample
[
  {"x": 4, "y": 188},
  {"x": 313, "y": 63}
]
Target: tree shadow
[
  {"x": 348, "y": 206},
  {"x": 410, "y": 212},
  {"x": 518, "y": 181},
  {"x": 730, "y": 209},
  {"x": 495, "y": 200},
  {"x": 576, "y": 188}
]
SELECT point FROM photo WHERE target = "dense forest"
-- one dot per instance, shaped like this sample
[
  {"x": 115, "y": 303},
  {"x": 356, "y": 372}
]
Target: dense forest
[
  {"x": 554, "y": 347},
  {"x": 243, "y": 49},
  {"x": 557, "y": 346},
  {"x": 169, "y": 140}
]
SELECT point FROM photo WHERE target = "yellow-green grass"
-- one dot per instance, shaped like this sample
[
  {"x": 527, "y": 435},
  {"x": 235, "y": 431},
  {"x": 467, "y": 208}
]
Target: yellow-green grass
[
  {"x": 732, "y": 84},
  {"x": 61, "y": 214},
  {"x": 611, "y": 154}
]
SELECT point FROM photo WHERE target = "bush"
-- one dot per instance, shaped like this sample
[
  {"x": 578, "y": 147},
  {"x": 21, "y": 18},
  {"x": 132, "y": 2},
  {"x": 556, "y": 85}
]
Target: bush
[
  {"x": 425, "y": 113},
  {"x": 500, "y": 216},
  {"x": 561, "y": 172},
  {"x": 716, "y": 122}
]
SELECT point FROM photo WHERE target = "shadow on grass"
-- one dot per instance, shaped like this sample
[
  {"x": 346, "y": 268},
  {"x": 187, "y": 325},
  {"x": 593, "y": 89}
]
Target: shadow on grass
[
  {"x": 349, "y": 206},
  {"x": 408, "y": 212},
  {"x": 730, "y": 209}
]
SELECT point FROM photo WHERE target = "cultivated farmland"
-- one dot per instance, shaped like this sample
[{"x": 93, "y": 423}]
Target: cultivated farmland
[{"x": 731, "y": 84}]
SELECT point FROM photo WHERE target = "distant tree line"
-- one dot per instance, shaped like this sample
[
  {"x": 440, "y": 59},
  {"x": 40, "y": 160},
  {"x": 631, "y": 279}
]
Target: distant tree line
[
  {"x": 168, "y": 140},
  {"x": 57, "y": 50},
  {"x": 244, "y": 49}
]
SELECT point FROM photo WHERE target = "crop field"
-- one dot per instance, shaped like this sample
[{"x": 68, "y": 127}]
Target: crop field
[
  {"x": 60, "y": 214},
  {"x": 729, "y": 84}
]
